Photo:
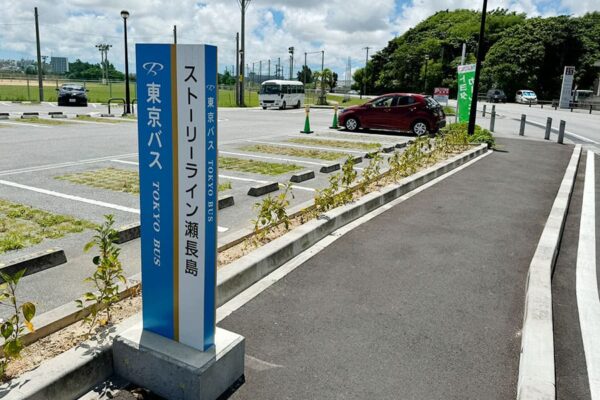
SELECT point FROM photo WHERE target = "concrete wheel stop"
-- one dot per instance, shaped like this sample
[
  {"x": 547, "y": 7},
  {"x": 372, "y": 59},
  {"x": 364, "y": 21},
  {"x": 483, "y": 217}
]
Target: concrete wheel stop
[{"x": 176, "y": 371}]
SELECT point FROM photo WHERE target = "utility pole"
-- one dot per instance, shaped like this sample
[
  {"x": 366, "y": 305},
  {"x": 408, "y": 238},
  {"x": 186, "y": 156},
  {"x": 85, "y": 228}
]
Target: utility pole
[
  {"x": 39, "y": 55},
  {"x": 365, "y": 73},
  {"x": 175, "y": 34},
  {"x": 103, "y": 48},
  {"x": 477, "y": 71},
  {"x": 322, "y": 97},
  {"x": 304, "y": 70},
  {"x": 291, "y": 50},
  {"x": 269, "y": 69},
  {"x": 278, "y": 67},
  {"x": 237, "y": 70},
  {"x": 243, "y": 6},
  {"x": 425, "y": 80},
  {"x": 464, "y": 53},
  {"x": 260, "y": 72}
]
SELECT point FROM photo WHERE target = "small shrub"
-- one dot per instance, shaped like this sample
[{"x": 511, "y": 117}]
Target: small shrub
[
  {"x": 105, "y": 278},
  {"x": 371, "y": 172},
  {"x": 327, "y": 198},
  {"x": 272, "y": 211},
  {"x": 14, "y": 326},
  {"x": 458, "y": 135}
]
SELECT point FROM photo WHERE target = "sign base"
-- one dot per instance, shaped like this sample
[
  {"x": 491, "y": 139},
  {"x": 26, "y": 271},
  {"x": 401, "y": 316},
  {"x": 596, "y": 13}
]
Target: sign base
[{"x": 176, "y": 371}]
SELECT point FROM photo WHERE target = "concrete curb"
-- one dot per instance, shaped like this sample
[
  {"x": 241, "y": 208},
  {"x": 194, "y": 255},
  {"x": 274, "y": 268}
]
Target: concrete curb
[
  {"x": 263, "y": 189},
  {"x": 225, "y": 202},
  {"x": 302, "y": 176},
  {"x": 35, "y": 262},
  {"x": 536, "y": 364},
  {"x": 128, "y": 233},
  {"x": 249, "y": 269},
  {"x": 325, "y": 169}
]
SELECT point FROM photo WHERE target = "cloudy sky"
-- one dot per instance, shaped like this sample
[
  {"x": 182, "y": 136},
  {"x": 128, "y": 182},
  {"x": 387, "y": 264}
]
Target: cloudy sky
[{"x": 342, "y": 28}]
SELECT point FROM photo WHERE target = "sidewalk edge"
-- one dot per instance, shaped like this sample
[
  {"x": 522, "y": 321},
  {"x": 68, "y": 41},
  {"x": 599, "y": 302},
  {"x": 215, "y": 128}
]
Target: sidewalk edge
[{"x": 536, "y": 364}]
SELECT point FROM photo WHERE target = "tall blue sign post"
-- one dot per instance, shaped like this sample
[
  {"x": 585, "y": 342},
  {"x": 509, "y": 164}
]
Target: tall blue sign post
[{"x": 177, "y": 138}]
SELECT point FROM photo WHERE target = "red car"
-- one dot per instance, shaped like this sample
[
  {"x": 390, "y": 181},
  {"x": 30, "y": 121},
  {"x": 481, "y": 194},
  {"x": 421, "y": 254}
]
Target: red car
[{"x": 405, "y": 112}]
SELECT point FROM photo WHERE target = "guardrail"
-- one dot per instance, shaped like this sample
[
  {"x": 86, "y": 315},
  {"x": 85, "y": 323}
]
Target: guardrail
[{"x": 122, "y": 100}]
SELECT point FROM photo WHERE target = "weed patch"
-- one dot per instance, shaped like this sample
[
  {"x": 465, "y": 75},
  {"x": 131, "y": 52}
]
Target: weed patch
[
  {"x": 23, "y": 226},
  {"x": 340, "y": 144},
  {"x": 294, "y": 152},
  {"x": 256, "y": 167}
]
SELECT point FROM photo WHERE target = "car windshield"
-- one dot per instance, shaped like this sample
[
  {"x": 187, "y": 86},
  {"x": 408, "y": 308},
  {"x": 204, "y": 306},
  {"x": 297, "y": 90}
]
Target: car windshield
[
  {"x": 498, "y": 92},
  {"x": 270, "y": 89},
  {"x": 72, "y": 87},
  {"x": 432, "y": 103},
  {"x": 528, "y": 93}
]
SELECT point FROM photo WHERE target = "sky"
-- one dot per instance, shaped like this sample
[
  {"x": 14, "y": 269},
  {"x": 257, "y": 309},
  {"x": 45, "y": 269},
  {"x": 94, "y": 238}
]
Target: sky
[{"x": 342, "y": 28}]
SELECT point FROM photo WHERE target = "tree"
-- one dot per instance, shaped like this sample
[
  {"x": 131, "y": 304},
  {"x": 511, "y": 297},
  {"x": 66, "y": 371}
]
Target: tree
[
  {"x": 226, "y": 79},
  {"x": 305, "y": 75},
  {"x": 325, "y": 79}
]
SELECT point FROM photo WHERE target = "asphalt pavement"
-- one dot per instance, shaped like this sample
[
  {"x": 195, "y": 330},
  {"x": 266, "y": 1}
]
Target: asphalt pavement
[{"x": 424, "y": 301}]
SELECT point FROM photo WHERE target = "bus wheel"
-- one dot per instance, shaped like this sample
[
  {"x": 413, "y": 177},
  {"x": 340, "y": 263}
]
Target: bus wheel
[
  {"x": 264, "y": 108},
  {"x": 283, "y": 106},
  {"x": 298, "y": 104}
]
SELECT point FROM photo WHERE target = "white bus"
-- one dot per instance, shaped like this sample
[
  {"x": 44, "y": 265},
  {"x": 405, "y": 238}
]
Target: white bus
[{"x": 281, "y": 94}]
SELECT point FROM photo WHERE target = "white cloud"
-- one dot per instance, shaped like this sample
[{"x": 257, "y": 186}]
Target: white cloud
[{"x": 341, "y": 27}]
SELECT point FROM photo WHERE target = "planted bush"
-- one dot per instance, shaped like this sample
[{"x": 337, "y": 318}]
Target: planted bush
[
  {"x": 20, "y": 320},
  {"x": 272, "y": 211}
]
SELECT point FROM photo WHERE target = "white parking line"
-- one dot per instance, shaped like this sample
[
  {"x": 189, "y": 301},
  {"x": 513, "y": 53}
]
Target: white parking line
[
  {"x": 25, "y": 124},
  {"x": 126, "y": 162},
  {"x": 305, "y": 147},
  {"x": 235, "y": 178},
  {"x": 63, "y": 165},
  {"x": 50, "y": 104},
  {"x": 81, "y": 199},
  {"x": 588, "y": 302}
]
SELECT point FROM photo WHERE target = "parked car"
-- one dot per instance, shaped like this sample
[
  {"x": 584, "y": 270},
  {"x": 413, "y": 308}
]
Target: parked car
[
  {"x": 496, "y": 96},
  {"x": 71, "y": 94},
  {"x": 406, "y": 112},
  {"x": 526, "y": 97},
  {"x": 353, "y": 92}
]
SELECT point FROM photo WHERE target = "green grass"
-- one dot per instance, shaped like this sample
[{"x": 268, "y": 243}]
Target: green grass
[
  {"x": 98, "y": 119},
  {"x": 99, "y": 93},
  {"x": 23, "y": 226},
  {"x": 352, "y": 101},
  {"x": 294, "y": 152},
  {"x": 41, "y": 121},
  {"x": 224, "y": 186},
  {"x": 341, "y": 144},
  {"x": 256, "y": 167},
  {"x": 115, "y": 179}
]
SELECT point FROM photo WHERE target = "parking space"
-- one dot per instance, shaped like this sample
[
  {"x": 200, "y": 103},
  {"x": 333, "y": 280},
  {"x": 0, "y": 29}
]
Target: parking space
[{"x": 86, "y": 168}]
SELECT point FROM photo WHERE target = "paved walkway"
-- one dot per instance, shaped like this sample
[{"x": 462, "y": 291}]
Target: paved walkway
[{"x": 425, "y": 301}]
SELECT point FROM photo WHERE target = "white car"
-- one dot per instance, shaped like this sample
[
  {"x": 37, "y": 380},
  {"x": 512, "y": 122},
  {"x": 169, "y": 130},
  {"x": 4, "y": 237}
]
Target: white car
[{"x": 526, "y": 97}]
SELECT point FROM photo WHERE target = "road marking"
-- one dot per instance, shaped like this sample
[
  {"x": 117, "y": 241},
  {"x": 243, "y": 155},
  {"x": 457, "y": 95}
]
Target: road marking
[
  {"x": 81, "y": 199},
  {"x": 25, "y": 124},
  {"x": 244, "y": 297},
  {"x": 588, "y": 301},
  {"x": 50, "y": 104},
  {"x": 126, "y": 162},
  {"x": 305, "y": 147},
  {"x": 235, "y": 178},
  {"x": 63, "y": 165}
]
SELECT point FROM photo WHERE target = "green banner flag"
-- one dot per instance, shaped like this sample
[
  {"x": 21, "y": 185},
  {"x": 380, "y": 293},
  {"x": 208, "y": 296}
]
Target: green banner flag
[{"x": 466, "y": 77}]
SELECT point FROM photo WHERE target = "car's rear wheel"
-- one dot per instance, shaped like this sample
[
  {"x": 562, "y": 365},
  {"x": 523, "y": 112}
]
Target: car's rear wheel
[
  {"x": 298, "y": 104},
  {"x": 352, "y": 124},
  {"x": 419, "y": 128}
]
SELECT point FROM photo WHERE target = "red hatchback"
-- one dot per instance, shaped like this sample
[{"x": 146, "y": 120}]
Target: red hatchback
[{"x": 406, "y": 112}]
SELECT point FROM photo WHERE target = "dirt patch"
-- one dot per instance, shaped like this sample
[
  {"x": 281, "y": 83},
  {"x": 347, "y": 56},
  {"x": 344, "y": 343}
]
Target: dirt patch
[{"x": 53, "y": 345}]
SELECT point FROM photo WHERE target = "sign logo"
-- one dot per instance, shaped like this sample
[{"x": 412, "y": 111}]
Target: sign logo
[{"x": 152, "y": 68}]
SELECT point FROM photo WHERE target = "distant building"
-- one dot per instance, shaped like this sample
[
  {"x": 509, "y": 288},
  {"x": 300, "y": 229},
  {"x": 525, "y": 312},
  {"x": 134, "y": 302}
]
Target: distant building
[{"x": 59, "y": 65}]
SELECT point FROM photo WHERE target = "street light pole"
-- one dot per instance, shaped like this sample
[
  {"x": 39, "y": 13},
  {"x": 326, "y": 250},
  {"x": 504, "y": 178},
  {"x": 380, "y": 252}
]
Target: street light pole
[
  {"x": 291, "y": 50},
  {"x": 322, "y": 98},
  {"x": 425, "y": 80},
  {"x": 243, "y": 6},
  {"x": 39, "y": 56},
  {"x": 237, "y": 69},
  {"x": 175, "y": 34},
  {"x": 473, "y": 112},
  {"x": 125, "y": 15},
  {"x": 365, "y": 73}
]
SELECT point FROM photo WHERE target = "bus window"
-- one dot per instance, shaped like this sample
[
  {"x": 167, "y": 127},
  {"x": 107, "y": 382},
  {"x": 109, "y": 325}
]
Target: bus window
[{"x": 270, "y": 89}]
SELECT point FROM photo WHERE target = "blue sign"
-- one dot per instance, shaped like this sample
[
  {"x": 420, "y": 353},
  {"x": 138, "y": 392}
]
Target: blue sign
[{"x": 177, "y": 135}]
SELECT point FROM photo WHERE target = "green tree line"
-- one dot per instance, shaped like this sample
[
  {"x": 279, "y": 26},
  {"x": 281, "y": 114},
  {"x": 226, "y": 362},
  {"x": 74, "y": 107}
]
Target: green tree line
[{"x": 520, "y": 53}]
